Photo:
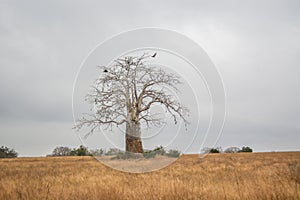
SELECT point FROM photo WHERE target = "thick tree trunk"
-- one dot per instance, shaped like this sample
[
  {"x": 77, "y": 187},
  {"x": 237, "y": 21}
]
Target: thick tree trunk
[{"x": 133, "y": 137}]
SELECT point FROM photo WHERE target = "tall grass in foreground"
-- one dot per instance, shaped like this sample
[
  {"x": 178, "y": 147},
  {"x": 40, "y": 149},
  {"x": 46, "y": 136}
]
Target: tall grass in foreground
[{"x": 222, "y": 176}]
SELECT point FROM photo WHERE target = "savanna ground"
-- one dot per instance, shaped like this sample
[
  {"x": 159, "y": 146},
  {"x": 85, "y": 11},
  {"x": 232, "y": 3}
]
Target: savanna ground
[{"x": 217, "y": 176}]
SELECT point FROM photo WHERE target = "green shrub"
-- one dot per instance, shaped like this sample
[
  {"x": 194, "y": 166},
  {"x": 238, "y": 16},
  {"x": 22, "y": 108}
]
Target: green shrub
[
  {"x": 213, "y": 150},
  {"x": 149, "y": 154},
  {"x": 152, "y": 153},
  {"x": 159, "y": 150},
  {"x": 173, "y": 153},
  {"x": 81, "y": 151},
  {"x": 246, "y": 149}
]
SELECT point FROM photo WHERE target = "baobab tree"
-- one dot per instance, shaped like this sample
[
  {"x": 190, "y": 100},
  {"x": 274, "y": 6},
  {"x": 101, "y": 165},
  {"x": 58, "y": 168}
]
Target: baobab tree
[{"x": 124, "y": 94}]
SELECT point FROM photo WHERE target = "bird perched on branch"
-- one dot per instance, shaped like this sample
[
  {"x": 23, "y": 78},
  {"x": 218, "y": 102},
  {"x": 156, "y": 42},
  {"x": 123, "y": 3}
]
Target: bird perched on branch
[{"x": 154, "y": 55}]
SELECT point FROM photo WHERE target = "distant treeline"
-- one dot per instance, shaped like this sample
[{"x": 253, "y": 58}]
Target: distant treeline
[
  {"x": 6, "y": 152},
  {"x": 117, "y": 153},
  {"x": 84, "y": 151},
  {"x": 244, "y": 149}
]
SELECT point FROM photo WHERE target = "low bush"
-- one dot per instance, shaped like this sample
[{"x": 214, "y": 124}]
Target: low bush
[
  {"x": 81, "y": 151},
  {"x": 213, "y": 150},
  {"x": 147, "y": 154},
  {"x": 173, "y": 153},
  {"x": 246, "y": 149},
  {"x": 161, "y": 151},
  {"x": 152, "y": 153}
]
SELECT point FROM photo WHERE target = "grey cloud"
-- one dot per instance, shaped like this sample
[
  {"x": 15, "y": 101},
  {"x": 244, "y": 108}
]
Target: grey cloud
[{"x": 255, "y": 45}]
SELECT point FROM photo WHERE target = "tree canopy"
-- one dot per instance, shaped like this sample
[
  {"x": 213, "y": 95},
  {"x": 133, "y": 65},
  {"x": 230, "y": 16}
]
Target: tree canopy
[
  {"x": 124, "y": 94},
  {"x": 6, "y": 152}
]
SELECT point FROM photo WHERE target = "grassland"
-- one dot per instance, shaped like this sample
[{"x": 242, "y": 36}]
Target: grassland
[{"x": 220, "y": 176}]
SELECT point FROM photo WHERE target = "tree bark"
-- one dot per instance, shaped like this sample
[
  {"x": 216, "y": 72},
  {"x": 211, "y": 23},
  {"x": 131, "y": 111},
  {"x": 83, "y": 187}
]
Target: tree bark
[{"x": 133, "y": 137}]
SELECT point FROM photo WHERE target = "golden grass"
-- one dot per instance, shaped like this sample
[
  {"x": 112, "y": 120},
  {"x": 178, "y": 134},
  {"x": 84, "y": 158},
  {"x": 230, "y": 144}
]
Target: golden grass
[
  {"x": 137, "y": 165},
  {"x": 220, "y": 176}
]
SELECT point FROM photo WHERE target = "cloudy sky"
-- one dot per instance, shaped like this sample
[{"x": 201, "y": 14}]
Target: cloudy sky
[{"x": 254, "y": 44}]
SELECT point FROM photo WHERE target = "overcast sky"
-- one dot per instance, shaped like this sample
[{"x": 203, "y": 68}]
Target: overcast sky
[{"x": 254, "y": 44}]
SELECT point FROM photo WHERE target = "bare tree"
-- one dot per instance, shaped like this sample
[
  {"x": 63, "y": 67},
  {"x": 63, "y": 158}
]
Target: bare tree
[
  {"x": 61, "y": 151},
  {"x": 124, "y": 94}
]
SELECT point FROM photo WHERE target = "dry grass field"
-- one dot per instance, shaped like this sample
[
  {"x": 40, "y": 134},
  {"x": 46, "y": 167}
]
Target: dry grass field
[
  {"x": 137, "y": 165},
  {"x": 220, "y": 176}
]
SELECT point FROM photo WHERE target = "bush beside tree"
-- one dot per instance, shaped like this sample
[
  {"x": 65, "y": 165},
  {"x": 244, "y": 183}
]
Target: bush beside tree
[
  {"x": 152, "y": 153},
  {"x": 147, "y": 154},
  {"x": 173, "y": 153}
]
